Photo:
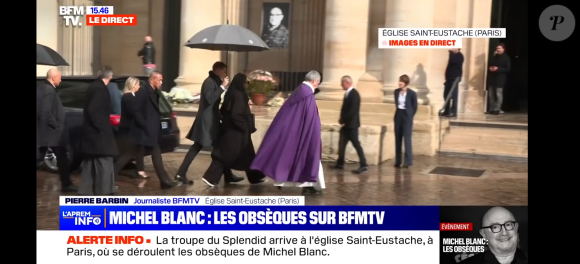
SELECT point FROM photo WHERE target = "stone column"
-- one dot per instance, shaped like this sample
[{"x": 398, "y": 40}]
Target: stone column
[
  {"x": 471, "y": 96},
  {"x": 345, "y": 45},
  {"x": 235, "y": 14},
  {"x": 445, "y": 17},
  {"x": 413, "y": 62},
  {"x": 194, "y": 64},
  {"x": 76, "y": 44},
  {"x": 47, "y": 21}
]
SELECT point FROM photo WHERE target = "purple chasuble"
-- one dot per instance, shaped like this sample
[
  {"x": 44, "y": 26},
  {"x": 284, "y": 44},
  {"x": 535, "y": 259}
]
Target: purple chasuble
[{"x": 291, "y": 149}]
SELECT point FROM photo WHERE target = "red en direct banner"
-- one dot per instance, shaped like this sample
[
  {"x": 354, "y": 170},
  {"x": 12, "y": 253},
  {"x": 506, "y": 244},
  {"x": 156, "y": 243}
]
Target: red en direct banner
[{"x": 111, "y": 20}]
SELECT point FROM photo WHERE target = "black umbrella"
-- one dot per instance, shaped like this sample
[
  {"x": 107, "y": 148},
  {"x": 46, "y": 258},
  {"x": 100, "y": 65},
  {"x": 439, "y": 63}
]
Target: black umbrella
[
  {"x": 227, "y": 38},
  {"x": 47, "y": 56}
]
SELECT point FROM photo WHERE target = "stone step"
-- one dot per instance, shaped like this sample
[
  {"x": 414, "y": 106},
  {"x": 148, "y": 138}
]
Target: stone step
[
  {"x": 482, "y": 131},
  {"x": 485, "y": 149},
  {"x": 485, "y": 139},
  {"x": 490, "y": 124}
]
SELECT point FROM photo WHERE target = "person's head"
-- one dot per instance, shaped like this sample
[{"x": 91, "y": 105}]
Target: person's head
[
  {"x": 240, "y": 82},
  {"x": 53, "y": 76},
  {"x": 148, "y": 39},
  {"x": 276, "y": 16},
  {"x": 346, "y": 82},
  {"x": 500, "y": 48},
  {"x": 156, "y": 79},
  {"x": 500, "y": 228},
  {"x": 455, "y": 50},
  {"x": 106, "y": 74},
  {"x": 313, "y": 77},
  {"x": 220, "y": 69},
  {"x": 404, "y": 81},
  {"x": 131, "y": 85}
]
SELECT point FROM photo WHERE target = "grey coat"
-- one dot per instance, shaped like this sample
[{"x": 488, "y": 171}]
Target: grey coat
[{"x": 205, "y": 128}]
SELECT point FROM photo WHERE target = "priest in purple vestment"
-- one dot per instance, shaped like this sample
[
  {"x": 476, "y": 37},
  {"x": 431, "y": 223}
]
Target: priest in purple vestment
[{"x": 291, "y": 150}]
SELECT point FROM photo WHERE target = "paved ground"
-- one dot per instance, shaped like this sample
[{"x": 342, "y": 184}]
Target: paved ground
[{"x": 503, "y": 183}]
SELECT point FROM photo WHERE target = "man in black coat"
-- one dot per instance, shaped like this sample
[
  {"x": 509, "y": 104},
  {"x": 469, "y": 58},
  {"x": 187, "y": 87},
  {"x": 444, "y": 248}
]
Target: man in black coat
[
  {"x": 205, "y": 128},
  {"x": 147, "y": 105},
  {"x": 453, "y": 71},
  {"x": 147, "y": 54},
  {"x": 499, "y": 67},
  {"x": 50, "y": 127},
  {"x": 350, "y": 121},
  {"x": 97, "y": 141}
]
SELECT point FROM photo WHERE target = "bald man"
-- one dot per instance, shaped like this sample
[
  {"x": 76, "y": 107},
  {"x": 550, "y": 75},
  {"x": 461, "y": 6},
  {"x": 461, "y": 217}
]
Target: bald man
[
  {"x": 274, "y": 33},
  {"x": 50, "y": 127},
  {"x": 147, "y": 54},
  {"x": 500, "y": 228}
]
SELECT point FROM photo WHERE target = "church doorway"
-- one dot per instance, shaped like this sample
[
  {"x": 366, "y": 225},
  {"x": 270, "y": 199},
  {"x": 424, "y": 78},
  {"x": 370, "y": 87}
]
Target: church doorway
[{"x": 513, "y": 15}]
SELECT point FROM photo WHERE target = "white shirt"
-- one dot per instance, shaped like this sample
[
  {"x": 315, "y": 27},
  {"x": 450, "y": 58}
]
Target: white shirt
[
  {"x": 309, "y": 85},
  {"x": 133, "y": 93},
  {"x": 348, "y": 91},
  {"x": 402, "y": 99},
  {"x": 223, "y": 88}
]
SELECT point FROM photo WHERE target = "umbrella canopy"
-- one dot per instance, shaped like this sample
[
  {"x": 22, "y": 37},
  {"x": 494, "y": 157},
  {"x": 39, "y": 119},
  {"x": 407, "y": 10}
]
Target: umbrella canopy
[
  {"x": 47, "y": 56},
  {"x": 227, "y": 38}
]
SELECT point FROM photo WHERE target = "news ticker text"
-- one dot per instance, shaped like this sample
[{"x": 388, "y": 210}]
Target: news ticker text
[{"x": 261, "y": 246}]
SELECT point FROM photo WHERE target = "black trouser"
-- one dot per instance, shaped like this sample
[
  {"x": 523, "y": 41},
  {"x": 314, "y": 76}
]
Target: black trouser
[
  {"x": 62, "y": 162},
  {"x": 451, "y": 107},
  {"x": 157, "y": 161},
  {"x": 128, "y": 152},
  {"x": 403, "y": 131},
  {"x": 190, "y": 156},
  {"x": 217, "y": 168},
  {"x": 346, "y": 135}
]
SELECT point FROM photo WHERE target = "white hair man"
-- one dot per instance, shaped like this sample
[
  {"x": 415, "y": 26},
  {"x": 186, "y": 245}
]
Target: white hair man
[
  {"x": 291, "y": 150},
  {"x": 97, "y": 142},
  {"x": 350, "y": 122}
]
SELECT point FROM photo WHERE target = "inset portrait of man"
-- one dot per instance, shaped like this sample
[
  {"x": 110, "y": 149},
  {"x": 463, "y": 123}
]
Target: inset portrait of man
[
  {"x": 500, "y": 229},
  {"x": 275, "y": 29}
]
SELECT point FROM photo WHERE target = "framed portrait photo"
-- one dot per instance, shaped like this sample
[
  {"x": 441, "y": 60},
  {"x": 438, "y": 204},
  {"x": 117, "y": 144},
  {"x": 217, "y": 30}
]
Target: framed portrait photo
[{"x": 276, "y": 25}]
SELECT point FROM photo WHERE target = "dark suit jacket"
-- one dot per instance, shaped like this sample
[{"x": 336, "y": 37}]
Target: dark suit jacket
[
  {"x": 411, "y": 103},
  {"x": 205, "y": 128},
  {"x": 504, "y": 65},
  {"x": 350, "y": 111},
  {"x": 128, "y": 116},
  {"x": 147, "y": 109},
  {"x": 50, "y": 117},
  {"x": 97, "y": 138}
]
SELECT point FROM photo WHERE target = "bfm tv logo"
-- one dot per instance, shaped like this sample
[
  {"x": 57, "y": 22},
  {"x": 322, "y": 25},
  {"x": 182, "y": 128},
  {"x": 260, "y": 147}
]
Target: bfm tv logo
[{"x": 82, "y": 217}]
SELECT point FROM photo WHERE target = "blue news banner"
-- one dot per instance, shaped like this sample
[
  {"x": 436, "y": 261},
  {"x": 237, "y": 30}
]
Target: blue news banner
[{"x": 396, "y": 218}]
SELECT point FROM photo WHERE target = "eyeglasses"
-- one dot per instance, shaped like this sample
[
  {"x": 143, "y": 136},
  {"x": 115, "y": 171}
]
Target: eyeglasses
[{"x": 496, "y": 228}]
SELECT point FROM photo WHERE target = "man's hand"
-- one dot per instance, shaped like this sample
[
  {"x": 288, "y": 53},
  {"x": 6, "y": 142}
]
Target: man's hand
[
  {"x": 225, "y": 82},
  {"x": 493, "y": 68}
]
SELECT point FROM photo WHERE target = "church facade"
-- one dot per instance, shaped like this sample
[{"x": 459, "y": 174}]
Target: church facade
[{"x": 335, "y": 37}]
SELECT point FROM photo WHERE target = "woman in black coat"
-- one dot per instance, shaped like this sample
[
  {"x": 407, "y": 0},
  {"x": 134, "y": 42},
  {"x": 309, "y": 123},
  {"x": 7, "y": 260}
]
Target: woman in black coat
[
  {"x": 234, "y": 148},
  {"x": 129, "y": 147}
]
